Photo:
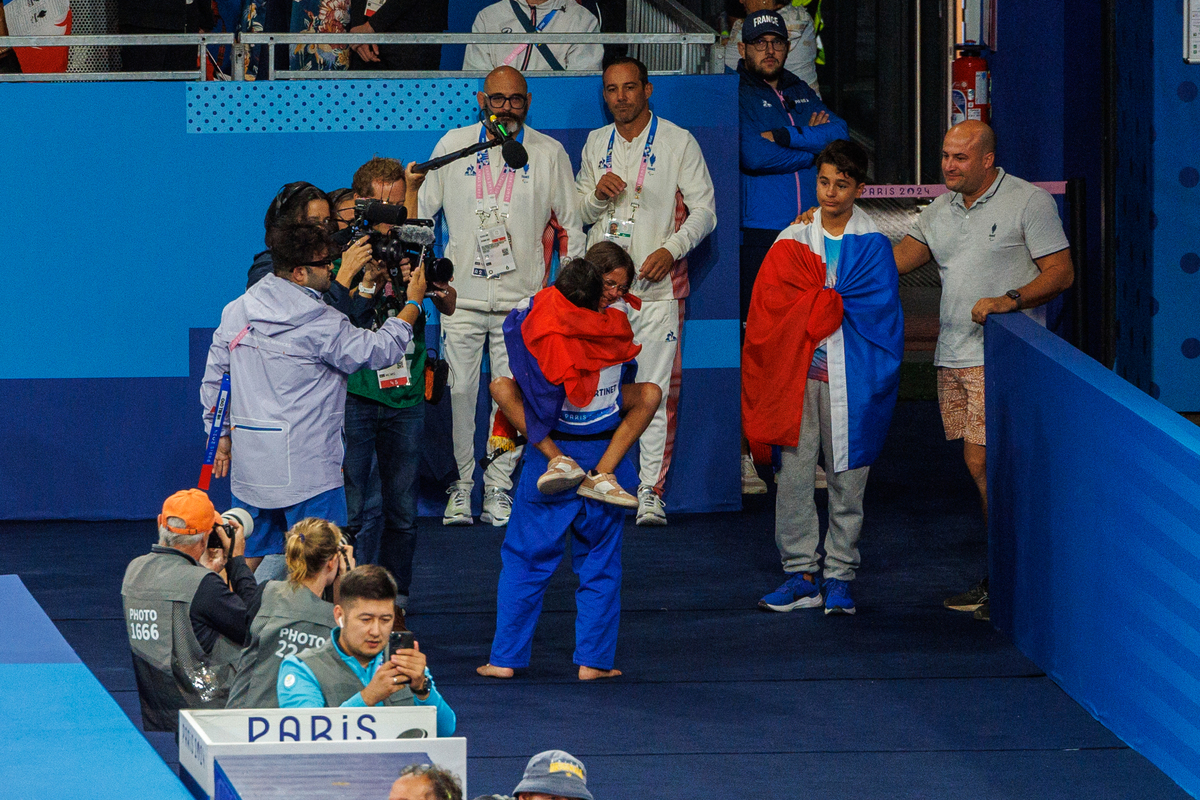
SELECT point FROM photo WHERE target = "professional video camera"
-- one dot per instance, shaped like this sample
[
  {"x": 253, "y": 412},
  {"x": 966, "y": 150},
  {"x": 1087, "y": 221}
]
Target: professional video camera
[{"x": 410, "y": 239}]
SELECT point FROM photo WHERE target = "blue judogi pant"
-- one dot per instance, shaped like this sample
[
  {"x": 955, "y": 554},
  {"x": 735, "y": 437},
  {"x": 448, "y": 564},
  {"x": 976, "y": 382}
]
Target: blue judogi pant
[{"x": 533, "y": 547}]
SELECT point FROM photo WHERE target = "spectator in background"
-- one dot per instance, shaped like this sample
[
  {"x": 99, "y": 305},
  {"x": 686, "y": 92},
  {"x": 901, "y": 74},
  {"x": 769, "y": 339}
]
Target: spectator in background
[
  {"x": 288, "y": 355},
  {"x": 553, "y": 774},
  {"x": 1000, "y": 247},
  {"x": 318, "y": 16},
  {"x": 397, "y": 16},
  {"x": 162, "y": 16},
  {"x": 477, "y": 197},
  {"x": 288, "y": 616},
  {"x": 426, "y": 782},
  {"x": 802, "y": 39},
  {"x": 352, "y": 669},
  {"x": 385, "y": 408},
  {"x": 783, "y": 126},
  {"x": 185, "y": 626},
  {"x": 535, "y": 16},
  {"x": 8, "y": 57}
]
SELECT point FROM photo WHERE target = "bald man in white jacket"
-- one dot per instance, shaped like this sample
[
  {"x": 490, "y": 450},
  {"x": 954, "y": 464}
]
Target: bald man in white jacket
[{"x": 480, "y": 195}]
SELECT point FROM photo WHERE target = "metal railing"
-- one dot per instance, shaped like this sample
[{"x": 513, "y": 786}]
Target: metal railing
[{"x": 663, "y": 34}]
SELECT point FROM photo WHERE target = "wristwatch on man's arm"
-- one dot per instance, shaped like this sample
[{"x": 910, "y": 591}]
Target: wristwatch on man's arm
[{"x": 1015, "y": 296}]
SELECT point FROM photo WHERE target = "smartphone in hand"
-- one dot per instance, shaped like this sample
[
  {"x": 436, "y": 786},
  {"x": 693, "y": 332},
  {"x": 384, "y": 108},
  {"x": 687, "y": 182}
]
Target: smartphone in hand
[{"x": 400, "y": 640}]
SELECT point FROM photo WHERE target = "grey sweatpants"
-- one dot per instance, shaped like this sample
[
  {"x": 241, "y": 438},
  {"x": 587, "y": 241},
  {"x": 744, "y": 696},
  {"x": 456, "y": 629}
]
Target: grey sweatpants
[{"x": 797, "y": 528}]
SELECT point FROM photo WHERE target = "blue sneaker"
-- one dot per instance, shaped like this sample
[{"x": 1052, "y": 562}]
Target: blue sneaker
[
  {"x": 796, "y": 592},
  {"x": 837, "y": 597}
]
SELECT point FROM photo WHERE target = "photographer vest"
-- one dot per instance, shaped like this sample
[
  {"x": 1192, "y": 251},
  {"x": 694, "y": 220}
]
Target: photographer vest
[
  {"x": 173, "y": 671},
  {"x": 338, "y": 681},
  {"x": 290, "y": 619}
]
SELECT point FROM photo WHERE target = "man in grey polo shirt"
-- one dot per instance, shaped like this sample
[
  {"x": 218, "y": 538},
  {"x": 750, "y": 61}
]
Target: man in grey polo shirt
[{"x": 1001, "y": 248}]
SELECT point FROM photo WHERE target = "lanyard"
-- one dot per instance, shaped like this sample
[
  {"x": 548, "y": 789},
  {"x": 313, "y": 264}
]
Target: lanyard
[
  {"x": 540, "y": 27},
  {"x": 483, "y": 172},
  {"x": 641, "y": 178}
]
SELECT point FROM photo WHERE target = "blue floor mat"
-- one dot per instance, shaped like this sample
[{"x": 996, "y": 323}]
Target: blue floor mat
[{"x": 719, "y": 700}]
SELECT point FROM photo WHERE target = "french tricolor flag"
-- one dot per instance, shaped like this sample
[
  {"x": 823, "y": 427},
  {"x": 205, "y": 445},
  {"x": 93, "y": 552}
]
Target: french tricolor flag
[{"x": 859, "y": 319}]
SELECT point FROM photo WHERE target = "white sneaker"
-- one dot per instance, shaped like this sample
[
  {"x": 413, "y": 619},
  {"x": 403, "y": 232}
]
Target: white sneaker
[
  {"x": 650, "y": 507},
  {"x": 751, "y": 483},
  {"x": 458, "y": 507},
  {"x": 497, "y": 506}
]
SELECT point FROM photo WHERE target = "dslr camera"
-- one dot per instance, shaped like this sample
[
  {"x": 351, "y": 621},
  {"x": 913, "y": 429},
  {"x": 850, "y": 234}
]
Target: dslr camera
[
  {"x": 410, "y": 239},
  {"x": 239, "y": 514}
]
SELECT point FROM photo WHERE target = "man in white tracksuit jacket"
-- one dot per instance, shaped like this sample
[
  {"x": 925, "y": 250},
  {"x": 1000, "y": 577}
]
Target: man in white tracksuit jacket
[
  {"x": 546, "y": 16},
  {"x": 479, "y": 195},
  {"x": 643, "y": 183},
  {"x": 289, "y": 355}
]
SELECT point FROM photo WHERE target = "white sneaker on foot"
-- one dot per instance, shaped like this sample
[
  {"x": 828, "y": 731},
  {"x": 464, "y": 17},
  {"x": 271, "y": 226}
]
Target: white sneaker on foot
[
  {"x": 458, "y": 507},
  {"x": 751, "y": 483},
  {"x": 497, "y": 506},
  {"x": 650, "y": 507}
]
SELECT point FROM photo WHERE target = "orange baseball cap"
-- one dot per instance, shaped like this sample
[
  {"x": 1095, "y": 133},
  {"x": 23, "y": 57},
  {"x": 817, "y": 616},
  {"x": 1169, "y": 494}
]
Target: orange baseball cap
[{"x": 194, "y": 508}]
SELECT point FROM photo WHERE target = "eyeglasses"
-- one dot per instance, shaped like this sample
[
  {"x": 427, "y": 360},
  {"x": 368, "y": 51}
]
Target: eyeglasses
[
  {"x": 325, "y": 263},
  {"x": 515, "y": 101},
  {"x": 621, "y": 288},
  {"x": 761, "y": 45}
]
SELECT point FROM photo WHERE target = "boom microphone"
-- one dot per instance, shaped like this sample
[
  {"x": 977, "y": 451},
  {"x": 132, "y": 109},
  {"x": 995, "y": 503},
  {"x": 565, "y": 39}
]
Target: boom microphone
[{"x": 514, "y": 154}]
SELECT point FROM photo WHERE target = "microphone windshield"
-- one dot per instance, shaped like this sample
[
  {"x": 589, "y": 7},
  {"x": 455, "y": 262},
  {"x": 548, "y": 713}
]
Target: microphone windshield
[
  {"x": 415, "y": 234},
  {"x": 514, "y": 154}
]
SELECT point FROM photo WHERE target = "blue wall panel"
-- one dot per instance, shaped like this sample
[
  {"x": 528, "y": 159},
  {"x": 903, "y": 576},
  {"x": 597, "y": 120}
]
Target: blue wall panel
[
  {"x": 1095, "y": 535},
  {"x": 145, "y": 209},
  {"x": 1175, "y": 344}
]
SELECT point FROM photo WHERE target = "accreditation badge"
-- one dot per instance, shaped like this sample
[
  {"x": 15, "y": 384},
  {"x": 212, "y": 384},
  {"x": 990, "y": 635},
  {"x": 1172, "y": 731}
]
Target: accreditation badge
[
  {"x": 495, "y": 250},
  {"x": 619, "y": 231},
  {"x": 397, "y": 374}
]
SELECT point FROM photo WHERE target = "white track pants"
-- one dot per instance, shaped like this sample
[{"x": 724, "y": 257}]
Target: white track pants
[
  {"x": 465, "y": 334},
  {"x": 658, "y": 327}
]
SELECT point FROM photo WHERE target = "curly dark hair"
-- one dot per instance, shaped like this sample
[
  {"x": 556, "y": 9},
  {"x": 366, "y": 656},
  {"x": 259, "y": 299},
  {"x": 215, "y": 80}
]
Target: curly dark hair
[
  {"x": 445, "y": 785},
  {"x": 847, "y": 157},
  {"x": 297, "y": 245}
]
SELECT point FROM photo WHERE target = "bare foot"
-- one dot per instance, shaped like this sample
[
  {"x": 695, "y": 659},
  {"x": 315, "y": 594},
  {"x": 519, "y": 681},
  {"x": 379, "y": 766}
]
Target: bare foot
[
  {"x": 489, "y": 671},
  {"x": 591, "y": 673}
]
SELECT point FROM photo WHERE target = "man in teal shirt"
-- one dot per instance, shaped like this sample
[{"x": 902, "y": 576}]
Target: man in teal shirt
[{"x": 350, "y": 670}]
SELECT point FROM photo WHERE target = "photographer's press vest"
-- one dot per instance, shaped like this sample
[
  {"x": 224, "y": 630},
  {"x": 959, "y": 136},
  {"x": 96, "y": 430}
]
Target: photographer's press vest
[
  {"x": 338, "y": 681},
  {"x": 290, "y": 619},
  {"x": 173, "y": 671}
]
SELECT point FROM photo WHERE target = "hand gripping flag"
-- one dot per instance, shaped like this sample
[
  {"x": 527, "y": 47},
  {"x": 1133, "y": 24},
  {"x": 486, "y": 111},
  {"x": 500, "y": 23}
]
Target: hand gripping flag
[
  {"x": 860, "y": 320},
  {"x": 556, "y": 351}
]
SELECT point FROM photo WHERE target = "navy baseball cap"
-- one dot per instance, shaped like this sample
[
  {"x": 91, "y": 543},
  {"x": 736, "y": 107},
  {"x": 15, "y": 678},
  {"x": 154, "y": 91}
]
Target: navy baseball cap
[
  {"x": 555, "y": 772},
  {"x": 760, "y": 23}
]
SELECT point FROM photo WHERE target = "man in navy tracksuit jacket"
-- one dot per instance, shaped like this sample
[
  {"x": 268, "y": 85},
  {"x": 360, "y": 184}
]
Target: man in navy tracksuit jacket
[{"x": 784, "y": 126}]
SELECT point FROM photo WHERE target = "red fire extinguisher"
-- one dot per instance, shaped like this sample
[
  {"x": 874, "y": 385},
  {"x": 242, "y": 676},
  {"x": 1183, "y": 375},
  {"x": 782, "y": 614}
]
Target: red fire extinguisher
[{"x": 970, "y": 89}]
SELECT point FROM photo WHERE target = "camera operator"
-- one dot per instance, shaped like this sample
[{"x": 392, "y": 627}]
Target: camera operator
[
  {"x": 288, "y": 355},
  {"x": 353, "y": 669},
  {"x": 385, "y": 409},
  {"x": 185, "y": 626}
]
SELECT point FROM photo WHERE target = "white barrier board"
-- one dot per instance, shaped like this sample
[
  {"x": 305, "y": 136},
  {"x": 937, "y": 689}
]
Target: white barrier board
[{"x": 256, "y": 754}]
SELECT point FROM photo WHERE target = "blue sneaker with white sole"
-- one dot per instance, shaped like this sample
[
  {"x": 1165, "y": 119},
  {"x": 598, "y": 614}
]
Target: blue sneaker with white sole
[
  {"x": 837, "y": 597},
  {"x": 796, "y": 592}
]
